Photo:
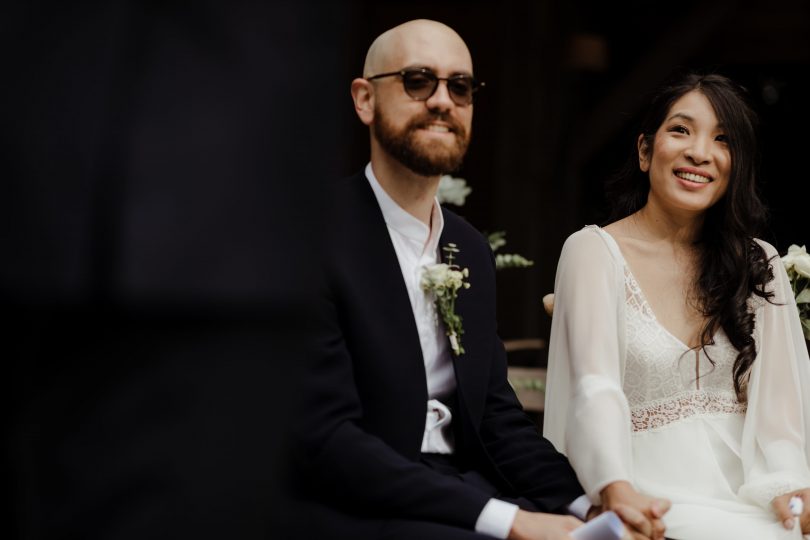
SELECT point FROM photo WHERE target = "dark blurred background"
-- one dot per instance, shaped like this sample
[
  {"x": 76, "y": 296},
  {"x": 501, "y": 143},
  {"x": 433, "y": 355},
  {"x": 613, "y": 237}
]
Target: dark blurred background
[
  {"x": 161, "y": 166},
  {"x": 565, "y": 83}
]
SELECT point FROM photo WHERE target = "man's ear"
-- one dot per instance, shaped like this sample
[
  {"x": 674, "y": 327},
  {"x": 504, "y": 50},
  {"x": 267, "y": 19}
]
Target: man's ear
[
  {"x": 363, "y": 96},
  {"x": 643, "y": 154}
]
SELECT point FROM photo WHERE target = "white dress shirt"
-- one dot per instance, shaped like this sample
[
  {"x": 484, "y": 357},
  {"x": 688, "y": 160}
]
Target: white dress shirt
[{"x": 416, "y": 245}]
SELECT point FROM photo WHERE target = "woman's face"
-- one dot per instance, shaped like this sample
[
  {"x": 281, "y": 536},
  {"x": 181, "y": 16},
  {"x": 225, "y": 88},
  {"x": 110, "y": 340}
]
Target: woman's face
[{"x": 690, "y": 163}]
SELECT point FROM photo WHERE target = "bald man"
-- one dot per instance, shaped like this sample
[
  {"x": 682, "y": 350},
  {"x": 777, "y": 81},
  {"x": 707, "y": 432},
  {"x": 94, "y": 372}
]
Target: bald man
[{"x": 412, "y": 434}]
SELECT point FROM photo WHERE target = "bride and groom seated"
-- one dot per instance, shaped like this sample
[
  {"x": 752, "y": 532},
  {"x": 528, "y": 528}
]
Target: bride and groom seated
[{"x": 411, "y": 429}]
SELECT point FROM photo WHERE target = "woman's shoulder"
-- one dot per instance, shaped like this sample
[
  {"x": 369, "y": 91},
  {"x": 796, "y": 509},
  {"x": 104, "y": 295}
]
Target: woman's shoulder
[
  {"x": 592, "y": 243},
  {"x": 591, "y": 249},
  {"x": 770, "y": 251}
]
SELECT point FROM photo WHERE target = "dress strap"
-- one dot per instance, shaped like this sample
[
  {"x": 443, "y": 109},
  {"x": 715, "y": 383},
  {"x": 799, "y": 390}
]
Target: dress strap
[{"x": 610, "y": 242}]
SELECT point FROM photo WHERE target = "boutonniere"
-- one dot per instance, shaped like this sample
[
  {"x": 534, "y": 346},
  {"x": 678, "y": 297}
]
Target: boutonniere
[{"x": 444, "y": 280}]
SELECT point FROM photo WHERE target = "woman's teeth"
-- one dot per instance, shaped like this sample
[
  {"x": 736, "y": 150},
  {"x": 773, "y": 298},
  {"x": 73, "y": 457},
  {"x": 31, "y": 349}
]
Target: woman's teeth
[{"x": 693, "y": 177}]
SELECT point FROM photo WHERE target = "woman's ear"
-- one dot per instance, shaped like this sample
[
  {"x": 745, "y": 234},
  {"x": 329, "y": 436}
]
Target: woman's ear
[
  {"x": 643, "y": 154},
  {"x": 363, "y": 96}
]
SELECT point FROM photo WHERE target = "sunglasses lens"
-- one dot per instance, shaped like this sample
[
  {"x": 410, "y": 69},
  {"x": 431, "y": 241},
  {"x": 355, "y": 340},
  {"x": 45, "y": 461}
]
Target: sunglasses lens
[
  {"x": 461, "y": 89},
  {"x": 419, "y": 85}
]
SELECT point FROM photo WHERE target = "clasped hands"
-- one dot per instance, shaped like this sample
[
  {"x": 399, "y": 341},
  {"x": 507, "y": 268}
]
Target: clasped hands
[
  {"x": 640, "y": 514},
  {"x": 644, "y": 513},
  {"x": 623, "y": 499}
]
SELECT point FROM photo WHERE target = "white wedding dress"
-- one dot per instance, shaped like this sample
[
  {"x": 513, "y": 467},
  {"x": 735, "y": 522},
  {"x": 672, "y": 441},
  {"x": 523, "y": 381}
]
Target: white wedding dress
[{"x": 624, "y": 400}]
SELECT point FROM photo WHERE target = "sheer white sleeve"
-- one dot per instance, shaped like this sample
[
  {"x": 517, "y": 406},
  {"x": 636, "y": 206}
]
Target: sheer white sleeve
[
  {"x": 586, "y": 412},
  {"x": 775, "y": 452}
]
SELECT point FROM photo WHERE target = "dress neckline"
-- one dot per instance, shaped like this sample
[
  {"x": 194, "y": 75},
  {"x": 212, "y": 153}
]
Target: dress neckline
[{"x": 614, "y": 245}]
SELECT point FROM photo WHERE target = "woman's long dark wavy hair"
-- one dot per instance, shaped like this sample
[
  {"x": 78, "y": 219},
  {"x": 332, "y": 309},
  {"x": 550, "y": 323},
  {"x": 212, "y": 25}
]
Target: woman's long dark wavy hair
[{"x": 732, "y": 265}]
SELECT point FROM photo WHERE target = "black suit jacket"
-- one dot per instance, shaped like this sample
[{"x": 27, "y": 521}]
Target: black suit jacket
[{"x": 368, "y": 398}]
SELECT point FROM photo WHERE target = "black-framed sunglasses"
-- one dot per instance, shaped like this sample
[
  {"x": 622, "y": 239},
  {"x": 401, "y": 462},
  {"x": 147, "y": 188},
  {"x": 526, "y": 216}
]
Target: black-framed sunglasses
[{"x": 421, "y": 83}]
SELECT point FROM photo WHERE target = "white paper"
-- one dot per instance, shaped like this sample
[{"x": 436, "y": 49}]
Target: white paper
[{"x": 606, "y": 526}]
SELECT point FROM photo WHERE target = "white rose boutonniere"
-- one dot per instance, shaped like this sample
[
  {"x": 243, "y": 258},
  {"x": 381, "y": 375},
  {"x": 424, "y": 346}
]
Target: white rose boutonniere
[
  {"x": 797, "y": 265},
  {"x": 444, "y": 280}
]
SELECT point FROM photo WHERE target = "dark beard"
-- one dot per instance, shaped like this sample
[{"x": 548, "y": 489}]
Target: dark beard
[{"x": 433, "y": 160}]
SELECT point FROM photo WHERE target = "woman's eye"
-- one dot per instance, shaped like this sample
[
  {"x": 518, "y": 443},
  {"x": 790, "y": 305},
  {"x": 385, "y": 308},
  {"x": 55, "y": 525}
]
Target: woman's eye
[
  {"x": 722, "y": 138},
  {"x": 679, "y": 129}
]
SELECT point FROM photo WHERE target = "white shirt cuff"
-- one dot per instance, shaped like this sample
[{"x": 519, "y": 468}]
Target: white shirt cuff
[
  {"x": 580, "y": 507},
  {"x": 496, "y": 518}
]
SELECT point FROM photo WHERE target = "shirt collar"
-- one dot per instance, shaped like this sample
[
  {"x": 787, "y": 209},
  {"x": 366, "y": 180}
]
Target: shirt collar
[{"x": 404, "y": 223}]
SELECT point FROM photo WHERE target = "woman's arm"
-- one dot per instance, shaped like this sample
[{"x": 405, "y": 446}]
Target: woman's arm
[
  {"x": 774, "y": 446},
  {"x": 587, "y": 416},
  {"x": 586, "y": 412}
]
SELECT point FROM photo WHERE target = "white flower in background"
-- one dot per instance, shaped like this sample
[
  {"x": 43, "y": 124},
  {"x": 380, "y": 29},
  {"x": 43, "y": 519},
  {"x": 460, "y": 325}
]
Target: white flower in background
[
  {"x": 506, "y": 260},
  {"x": 511, "y": 260},
  {"x": 797, "y": 266},
  {"x": 802, "y": 264},
  {"x": 452, "y": 190},
  {"x": 802, "y": 267},
  {"x": 496, "y": 240},
  {"x": 797, "y": 259},
  {"x": 455, "y": 191}
]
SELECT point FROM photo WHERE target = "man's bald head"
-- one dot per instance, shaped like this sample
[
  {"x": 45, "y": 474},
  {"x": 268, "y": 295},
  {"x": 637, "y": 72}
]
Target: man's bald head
[
  {"x": 427, "y": 133},
  {"x": 415, "y": 42}
]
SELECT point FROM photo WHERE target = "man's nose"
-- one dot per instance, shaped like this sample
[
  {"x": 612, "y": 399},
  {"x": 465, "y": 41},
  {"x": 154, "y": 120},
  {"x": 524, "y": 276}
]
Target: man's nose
[{"x": 440, "y": 100}]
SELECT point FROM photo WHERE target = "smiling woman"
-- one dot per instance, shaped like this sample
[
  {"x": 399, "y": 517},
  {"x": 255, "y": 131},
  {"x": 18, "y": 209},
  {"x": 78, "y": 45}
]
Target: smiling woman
[
  {"x": 678, "y": 373},
  {"x": 692, "y": 146}
]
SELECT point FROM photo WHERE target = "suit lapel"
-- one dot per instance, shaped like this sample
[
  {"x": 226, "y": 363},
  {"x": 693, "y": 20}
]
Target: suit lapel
[
  {"x": 472, "y": 367},
  {"x": 378, "y": 277}
]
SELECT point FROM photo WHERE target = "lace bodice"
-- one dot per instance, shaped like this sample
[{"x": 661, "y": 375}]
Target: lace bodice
[{"x": 664, "y": 380}]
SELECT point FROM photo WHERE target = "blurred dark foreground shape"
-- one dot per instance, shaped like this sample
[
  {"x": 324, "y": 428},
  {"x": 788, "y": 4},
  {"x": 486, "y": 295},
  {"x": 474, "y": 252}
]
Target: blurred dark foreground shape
[{"x": 161, "y": 164}]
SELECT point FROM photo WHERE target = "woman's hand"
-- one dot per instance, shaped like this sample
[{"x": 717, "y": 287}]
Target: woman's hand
[
  {"x": 643, "y": 514},
  {"x": 781, "y": 507},
  {"x": 539, "y": 526}
]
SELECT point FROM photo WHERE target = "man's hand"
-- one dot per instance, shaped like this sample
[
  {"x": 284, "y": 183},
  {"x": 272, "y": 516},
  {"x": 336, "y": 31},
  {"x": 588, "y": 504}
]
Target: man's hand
[
  {"x": 538, "y": 526},
  {"x": 640, "y": 513},
  {"x": 780, "y": 506}
]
